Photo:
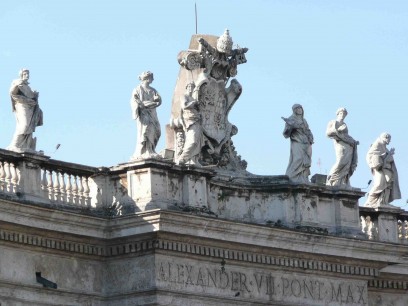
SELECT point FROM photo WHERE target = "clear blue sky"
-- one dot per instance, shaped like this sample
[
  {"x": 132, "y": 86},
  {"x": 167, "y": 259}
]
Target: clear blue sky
[{"x": 84, "y": 57}]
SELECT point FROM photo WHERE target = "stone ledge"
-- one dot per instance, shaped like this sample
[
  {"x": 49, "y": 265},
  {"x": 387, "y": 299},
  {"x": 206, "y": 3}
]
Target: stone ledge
[{"x": 152, "y": 244}]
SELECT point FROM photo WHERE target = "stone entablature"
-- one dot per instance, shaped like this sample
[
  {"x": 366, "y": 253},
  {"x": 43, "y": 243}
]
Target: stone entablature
[{"x": 228, "y": 261}]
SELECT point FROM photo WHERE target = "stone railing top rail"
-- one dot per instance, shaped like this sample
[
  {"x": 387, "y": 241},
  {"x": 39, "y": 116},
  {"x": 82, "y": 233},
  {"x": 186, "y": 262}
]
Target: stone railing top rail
[
  {"x": 402, "y": 214},
  {"x": 46, "y": 161}
]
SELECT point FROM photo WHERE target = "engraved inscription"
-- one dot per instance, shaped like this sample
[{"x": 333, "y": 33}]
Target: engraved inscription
[{"x": 260, "y": 284}]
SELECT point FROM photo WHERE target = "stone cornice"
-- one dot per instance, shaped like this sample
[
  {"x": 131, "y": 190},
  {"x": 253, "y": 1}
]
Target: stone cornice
[
  {"x": 286, "y": 239},
  {"x": 282, "y": 183},
  {"x": 48, "y": 218},
  {"x": 56, "y": 222},
  {"x": 194, "y": 249},
  {"x": 225, "y": 255},
  {"x": 388, "y": 284}
]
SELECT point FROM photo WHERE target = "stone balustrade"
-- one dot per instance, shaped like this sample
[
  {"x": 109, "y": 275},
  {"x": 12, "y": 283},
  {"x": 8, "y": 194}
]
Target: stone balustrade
[
  {"x": 9, "y": 177},
  {"x": 388, "y": 224},
  {"x": 67, "y": 187},
  {"x": 130, "y": 188},
  {"x": 37, "y": 178}
]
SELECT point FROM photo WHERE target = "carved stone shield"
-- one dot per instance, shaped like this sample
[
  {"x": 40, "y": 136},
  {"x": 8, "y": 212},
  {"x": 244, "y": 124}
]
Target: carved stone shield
[{"x": 213, "y": 106}]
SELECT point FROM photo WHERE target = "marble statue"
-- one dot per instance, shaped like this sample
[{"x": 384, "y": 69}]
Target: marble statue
[
  {"x": 145, "y": 99},
  {"x": 193, "y": 131},
  {"x": 28, "y": 114},
  {"x": 385, "y": 188},
  {"x": 301, "y": 140},
  {"x": 346, "y": 151},
  {"x": 211, "y": 68}
]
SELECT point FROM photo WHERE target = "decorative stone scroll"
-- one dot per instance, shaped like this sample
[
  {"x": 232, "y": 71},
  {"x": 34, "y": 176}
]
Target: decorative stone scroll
[{"x": 210, "y": 63}]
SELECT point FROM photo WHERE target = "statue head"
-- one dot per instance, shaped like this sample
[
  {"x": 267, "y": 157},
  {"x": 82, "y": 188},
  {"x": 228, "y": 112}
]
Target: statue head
[
  {"x": 190, "y": 87},
  {"x": 24, "y": 74},
  {"x": 341, "y": 109},
  {"x": 297, "y": 109},
  {"x": 342, "y": 112},
  {"x": 385, "y": 138},
  {"x": 224, "y": 43},
  {"x": 146, "y": 75},
  {"x": 190, "y": 84}
]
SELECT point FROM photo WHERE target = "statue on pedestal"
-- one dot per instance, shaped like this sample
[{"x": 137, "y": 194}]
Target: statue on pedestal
[
  {"x": 301, "y": 140},
  {"x": 24, "y": 102},
  {"x": 385, "y": 187},
  {"x": 346, "y": 151},
  {"x": 210, "y": 65},
  {"x": 193, "y": 131},
  {"x": 145, "y": 99}
]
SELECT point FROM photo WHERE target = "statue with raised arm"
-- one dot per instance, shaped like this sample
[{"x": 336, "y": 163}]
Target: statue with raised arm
[
  {"x": 346, "y": 151},
  {"x": 145, "y": 99},
  {"x": 193, "y": 131},
  {"x": 385, "y": 188},
  {"x": 301, "y": 140},
  {"x": 24, "y": 102}
]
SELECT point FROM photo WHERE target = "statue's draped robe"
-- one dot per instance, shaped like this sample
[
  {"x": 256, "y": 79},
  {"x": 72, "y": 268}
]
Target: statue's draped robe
[
  {"x": 148, "y": 126},
  {"x": 301, "y": 140},
  {"x": 28, "y": 115},
  {"x": 194, "y": 137},
  {"x": 385, "y": 187},
  {"x": 346, "y": 155}
]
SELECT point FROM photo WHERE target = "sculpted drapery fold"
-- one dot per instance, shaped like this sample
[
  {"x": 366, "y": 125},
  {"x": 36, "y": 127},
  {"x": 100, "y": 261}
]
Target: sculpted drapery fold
[
  {"x": 301, "y": 140},
  {"x": 27, "y": 112},
  {"x": 346, "y": 151},
  {"x": 145, "y": 100},
  {"x": 385, "y": 188}
]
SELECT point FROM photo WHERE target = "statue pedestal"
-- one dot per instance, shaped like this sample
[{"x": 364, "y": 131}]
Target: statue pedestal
[{"x": 268, "y": 200}]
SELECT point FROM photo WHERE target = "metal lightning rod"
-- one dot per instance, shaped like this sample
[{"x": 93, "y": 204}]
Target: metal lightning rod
[{"x": 195, "y": 7}]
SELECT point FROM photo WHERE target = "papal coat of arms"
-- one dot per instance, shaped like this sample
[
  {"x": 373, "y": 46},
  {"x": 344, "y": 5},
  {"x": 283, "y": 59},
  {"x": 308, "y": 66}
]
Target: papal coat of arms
[{"x": 212, "y": 66}]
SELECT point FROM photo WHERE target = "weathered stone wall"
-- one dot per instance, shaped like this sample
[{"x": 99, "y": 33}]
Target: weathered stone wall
[{"x": 179, "y": 258}]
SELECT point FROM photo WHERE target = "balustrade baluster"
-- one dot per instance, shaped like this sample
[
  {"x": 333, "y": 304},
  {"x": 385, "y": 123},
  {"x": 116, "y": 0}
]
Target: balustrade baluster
[
  {"x": 8, "y": 176},
  {"x": 2, "y": 177},
  {"x": 56, "y": 187},
  {"x": 14, "y": 178},
  {"x": 75, "y": 197},
  {"x": 68, "y": 189},
  {"x": 368, "y": 227},
  {"x": 87, "y": 200},
  {"x": 404, "y": 231},
  {"x": 50, "y": 185},
  {"x": 19, "y": 179},
  {"x": 62, "y": 191},
  {"x": 80, "y": 191}
]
